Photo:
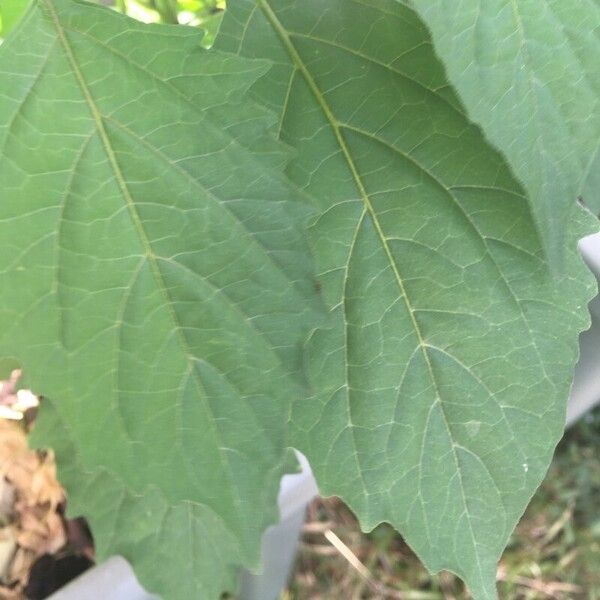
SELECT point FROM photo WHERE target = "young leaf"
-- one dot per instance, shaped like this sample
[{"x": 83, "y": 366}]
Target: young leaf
[
  {"x": 154, "y": 283},
  {"x": 527, "y": 73},
  {"x": 446, "y": 370}
]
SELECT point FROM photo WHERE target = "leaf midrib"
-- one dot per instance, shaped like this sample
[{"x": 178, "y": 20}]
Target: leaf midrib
[
  {"x": 299, "y": 64},
  {"x": 147, "y": 247},
  {"x": 170, "y": 87}
]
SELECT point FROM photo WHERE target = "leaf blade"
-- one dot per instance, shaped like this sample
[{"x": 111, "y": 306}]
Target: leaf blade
[
  {"x": 156, "y": 284},
  {"x": 435, "y": 279},
  {"x": 522, "y": 70}
]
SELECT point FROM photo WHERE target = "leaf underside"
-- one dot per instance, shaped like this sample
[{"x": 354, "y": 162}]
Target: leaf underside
[
  {"x": 444, "y": 375},
  {"x": 154, "y": 284},
  {"x": 527, "y": 72}
]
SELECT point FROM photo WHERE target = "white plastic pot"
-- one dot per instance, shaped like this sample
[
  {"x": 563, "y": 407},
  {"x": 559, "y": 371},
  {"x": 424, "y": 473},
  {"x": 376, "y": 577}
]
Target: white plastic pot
[
  {"x": 115, "y": 580},
  {"x": 585, "y": 393}
]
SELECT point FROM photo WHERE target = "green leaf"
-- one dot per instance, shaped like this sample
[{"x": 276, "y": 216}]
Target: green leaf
[
  {"x": 154, "y": 283},
  {"x": 196, "y": 553},
  {"x": 10, "y": 13},
  {"x": 445, "y": 374},
  {"x": 527, "y": 72}
]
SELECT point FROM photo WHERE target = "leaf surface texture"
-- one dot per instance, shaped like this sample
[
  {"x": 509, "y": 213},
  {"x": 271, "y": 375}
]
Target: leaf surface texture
[
  {"x": 155, "y": 285},
  {"x": 527, "y": 72},
  {"x": 444, "y": 376}
]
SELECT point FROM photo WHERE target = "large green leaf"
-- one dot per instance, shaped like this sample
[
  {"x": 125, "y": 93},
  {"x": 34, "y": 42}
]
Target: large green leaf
[
  {"x": 527, "y": 72},
  {"x": 445, "y": 373},
  {"x": 155, "y": 284}
]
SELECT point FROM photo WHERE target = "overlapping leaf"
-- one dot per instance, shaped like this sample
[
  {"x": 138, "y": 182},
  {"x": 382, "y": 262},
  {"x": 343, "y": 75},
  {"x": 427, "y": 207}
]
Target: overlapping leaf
[
  {"x": 445, "y": 374},
  {"x": 155, "y": 284},
  {"x": 527, "y": 72}
]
